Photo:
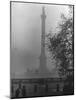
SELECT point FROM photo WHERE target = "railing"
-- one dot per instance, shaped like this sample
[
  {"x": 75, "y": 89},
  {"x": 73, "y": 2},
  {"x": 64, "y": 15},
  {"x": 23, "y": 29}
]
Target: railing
[{"x": 40, "y": 80}]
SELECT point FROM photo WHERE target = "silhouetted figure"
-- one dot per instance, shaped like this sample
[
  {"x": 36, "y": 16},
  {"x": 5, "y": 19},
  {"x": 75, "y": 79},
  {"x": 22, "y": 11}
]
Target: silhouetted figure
[
  {"x": 23, "y": 91},
  {"x": 17, "y": 92},
  {"x": 57, "y": 87}
]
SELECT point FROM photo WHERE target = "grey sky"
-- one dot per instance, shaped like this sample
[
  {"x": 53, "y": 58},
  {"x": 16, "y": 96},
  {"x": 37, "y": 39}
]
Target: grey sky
[{"x": 26, "y": 33}]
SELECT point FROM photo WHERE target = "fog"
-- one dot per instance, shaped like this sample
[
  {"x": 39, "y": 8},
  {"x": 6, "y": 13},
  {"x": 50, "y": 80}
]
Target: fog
[{"x": 26, "y": 34}]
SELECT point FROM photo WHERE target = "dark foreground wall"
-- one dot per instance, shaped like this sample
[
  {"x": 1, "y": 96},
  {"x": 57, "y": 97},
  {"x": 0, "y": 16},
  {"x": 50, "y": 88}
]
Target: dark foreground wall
[{"x": 40, "y": 87}]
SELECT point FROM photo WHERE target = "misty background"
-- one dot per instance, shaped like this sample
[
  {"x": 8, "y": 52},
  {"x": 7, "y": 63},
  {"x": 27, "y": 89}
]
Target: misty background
[{"x": 26, "y": 34}]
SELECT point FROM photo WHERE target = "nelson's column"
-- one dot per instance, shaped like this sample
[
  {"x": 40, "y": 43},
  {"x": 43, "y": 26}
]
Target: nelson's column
[{"x": 43, "y": 68}]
